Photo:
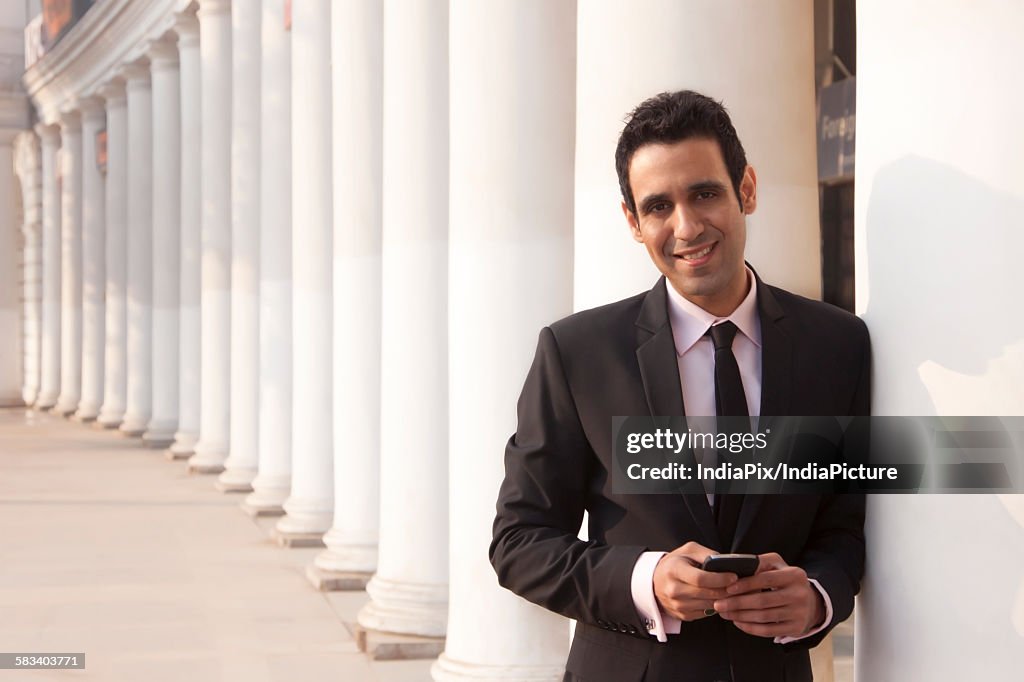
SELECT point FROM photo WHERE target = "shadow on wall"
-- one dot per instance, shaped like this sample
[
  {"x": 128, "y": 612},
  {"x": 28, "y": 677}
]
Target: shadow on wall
[
  {"x": 945, "y": 254},
  {"x": 946, "y": 272}
]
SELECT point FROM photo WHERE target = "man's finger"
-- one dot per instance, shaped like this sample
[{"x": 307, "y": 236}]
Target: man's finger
[
  {"x": 774, "y": 580},
  {"x": 771, "y": 615},
  {"x": 755, "y": 600},
  {"x": 784, "y": 629},
  {"x": 770, "y": 561}
]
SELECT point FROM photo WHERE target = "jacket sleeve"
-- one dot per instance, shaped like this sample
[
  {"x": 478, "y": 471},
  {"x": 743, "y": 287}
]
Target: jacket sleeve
[{"x": 549, "y": 465}]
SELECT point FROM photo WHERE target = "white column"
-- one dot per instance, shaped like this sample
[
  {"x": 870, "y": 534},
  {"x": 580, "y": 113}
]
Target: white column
[
  {"x": 409, "y": 592},
  {"x": 273, "y": 480},
  {"x": 49, "y": 351},
  {"x": 240, "y": 466},
  {"x": 10, "y": 305},
  {"x": 756, "y": 57},
  {"x": 94, "y": 279},
  {"x": 166, "y": 249},
  {"x": 357, "y": 58},
  {"x": 505, "y": 283},
  {"x": 71, "y": 264},
  {"x": 27, "y": 164},
  {"x": 187, "y": 28},
  {"x": 115, "y": 357},
  {"x": 140, "y": 250},
  {"x": 934, "y": 175},
  {"x": 215, "y": 368},
  {"x": 309, "y": 506}
]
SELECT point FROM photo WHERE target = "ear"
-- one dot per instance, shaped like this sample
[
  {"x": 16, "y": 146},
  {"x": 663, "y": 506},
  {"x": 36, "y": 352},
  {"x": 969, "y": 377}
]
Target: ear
[
  {"x": 634, "y": 227},
  {"x": 748, "y": 190}
]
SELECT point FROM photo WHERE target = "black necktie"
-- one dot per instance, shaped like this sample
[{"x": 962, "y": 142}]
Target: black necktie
[{"x": 730, "y": 401}]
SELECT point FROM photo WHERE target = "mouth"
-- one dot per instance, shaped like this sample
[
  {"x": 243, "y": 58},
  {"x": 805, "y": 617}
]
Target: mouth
[{"x": 697, "y": 256}]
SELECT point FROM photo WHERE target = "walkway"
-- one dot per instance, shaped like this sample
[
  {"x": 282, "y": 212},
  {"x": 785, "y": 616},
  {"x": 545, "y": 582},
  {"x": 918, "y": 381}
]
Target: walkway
[{"x": 108, "y": 548}]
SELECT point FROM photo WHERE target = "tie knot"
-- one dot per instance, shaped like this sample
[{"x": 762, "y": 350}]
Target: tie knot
[{"x": 722, "y": 335}]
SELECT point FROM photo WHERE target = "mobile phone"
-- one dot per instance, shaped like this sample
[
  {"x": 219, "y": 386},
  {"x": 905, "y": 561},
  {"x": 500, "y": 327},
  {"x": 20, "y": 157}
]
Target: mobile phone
[{"x": 743, "y": 565}]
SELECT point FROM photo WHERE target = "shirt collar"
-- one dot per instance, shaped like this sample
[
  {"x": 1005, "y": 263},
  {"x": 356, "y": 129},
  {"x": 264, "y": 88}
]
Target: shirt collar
[{"x": 690, "y": 322}]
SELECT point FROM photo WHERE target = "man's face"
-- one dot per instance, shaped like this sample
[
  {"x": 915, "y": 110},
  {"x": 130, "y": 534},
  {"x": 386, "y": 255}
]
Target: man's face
[{"x": 689, "y": 219}]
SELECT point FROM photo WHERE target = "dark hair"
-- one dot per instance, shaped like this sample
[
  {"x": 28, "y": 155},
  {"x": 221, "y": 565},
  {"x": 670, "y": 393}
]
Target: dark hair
[{"x": 673, "y": 117}]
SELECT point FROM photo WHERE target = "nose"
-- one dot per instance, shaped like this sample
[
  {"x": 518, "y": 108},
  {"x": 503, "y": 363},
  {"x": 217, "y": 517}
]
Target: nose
[{"x": 688, "y": 225}]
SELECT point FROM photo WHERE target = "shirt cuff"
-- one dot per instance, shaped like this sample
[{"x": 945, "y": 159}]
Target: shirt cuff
[
  {"x": 813, "y": 631},
  {"x": 658, "y": 623}
]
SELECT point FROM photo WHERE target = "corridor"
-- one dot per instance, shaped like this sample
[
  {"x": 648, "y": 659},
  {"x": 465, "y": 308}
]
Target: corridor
[{"x": 110, "y": 549}]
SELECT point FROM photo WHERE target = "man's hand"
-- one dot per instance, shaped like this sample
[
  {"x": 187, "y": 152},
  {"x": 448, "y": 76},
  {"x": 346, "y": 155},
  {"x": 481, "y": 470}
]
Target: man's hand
[
  {"x": 683, "y": 589},
  {"x": 789, "y": 608}
]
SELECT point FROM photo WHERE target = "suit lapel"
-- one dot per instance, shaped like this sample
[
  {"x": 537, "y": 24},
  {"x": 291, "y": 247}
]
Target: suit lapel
[
  {"x": 656, "y": 356},
  {"x": 776, "y": 383}
]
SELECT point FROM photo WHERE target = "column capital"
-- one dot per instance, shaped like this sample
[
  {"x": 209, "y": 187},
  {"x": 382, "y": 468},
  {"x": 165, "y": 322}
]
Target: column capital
[
  {"x": 136, "y": 74},
  {"x": 213, "y": 7},
  {"x": 163, "y": 53},
  {"x": 70, "y": 121},
  {"x": 92, "y": 108},
  {"x": 114, "y": 92},
  {"x": 186, "y": 25},
  {"x": 48, "y": 134}
]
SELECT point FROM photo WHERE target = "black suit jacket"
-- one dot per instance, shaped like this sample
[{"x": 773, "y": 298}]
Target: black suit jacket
[{"x": 620, "y": 359}]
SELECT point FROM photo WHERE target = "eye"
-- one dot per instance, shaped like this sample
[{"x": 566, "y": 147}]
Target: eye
[
  {"x": 706, "y": 195},
  {"x": 658, "y": 207}
]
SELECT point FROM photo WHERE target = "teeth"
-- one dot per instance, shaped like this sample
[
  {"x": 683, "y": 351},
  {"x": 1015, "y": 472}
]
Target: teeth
[{"x": 699, "y": 254}]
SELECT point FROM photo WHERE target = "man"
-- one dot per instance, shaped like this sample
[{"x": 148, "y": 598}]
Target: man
[{"x": 709, "y": 339}]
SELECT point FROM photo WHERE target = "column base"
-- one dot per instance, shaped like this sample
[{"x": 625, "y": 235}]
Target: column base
[
  {"x": 388, "y": 646},
  {"x": 110, "y": 418},
  {"x": 65, "y": 406},
  {"x": 207, "y": 459},
  {"x": 29, "y": 395},
  {"x": 296, "y": 539},
  {"x": 256, "y": 511},
  {"x": 86, "y": 413},
  {"x": 234, "y": 480},
  {"x": 446, "y": 669},
  {"x": 184, "y": 445},
  {"x": 159, "y": 436},
  {"x": 301, "y": 530},
  {"x": 405, "y": 608},
  {"x": 133, "y": 426},
  {"x": 336, "y": 581},
  {"x": 45, "y": 401},
  {"x": 265, "y": 501},
  {"x": 345, "y": 556}
]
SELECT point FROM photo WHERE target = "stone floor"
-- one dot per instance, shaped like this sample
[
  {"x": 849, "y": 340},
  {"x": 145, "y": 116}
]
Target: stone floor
[{"x": 108, "y": 548}]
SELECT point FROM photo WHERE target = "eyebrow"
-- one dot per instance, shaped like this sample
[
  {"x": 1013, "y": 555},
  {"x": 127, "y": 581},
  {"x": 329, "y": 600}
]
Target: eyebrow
[
  {"x": 704, "y": 185},
  {"x": 699, "y": 186}
]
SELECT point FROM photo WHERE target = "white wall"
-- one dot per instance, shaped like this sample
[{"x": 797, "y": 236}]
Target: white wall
[{"x": 939, "y": 206}]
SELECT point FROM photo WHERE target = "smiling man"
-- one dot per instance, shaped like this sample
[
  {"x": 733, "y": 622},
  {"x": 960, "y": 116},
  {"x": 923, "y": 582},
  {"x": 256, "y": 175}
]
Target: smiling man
[{"x": 709, "y": 339}]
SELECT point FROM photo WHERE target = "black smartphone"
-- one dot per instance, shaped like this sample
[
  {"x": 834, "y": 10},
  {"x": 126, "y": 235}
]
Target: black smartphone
[{"x": 743, "y": 565}]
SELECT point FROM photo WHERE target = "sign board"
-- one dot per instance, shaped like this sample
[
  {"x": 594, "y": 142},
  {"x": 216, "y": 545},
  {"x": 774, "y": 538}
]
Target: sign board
[{"x": 837, "y": 119}]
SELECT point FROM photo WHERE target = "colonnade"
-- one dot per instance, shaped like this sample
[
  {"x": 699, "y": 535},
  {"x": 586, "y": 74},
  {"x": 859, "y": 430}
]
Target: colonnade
[{"x": 321, "y": 244}]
